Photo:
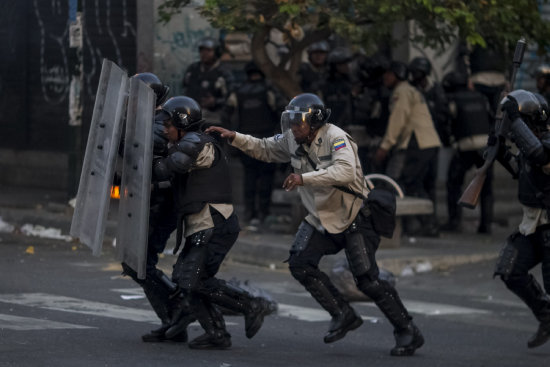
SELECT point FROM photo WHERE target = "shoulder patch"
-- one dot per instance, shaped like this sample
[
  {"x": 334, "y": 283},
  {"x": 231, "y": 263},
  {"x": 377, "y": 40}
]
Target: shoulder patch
[
  {"x": 339, "y": 144},
  {"x": 278, "y": 137}
]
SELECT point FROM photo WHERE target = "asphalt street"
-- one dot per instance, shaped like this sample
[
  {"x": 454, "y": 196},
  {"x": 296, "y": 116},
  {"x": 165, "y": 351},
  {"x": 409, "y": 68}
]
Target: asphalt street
[{"x": 61, "y": 306}]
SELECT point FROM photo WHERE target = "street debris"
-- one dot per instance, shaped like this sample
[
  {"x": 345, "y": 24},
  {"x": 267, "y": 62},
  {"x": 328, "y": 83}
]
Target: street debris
[{"x": 43, "y": 232}]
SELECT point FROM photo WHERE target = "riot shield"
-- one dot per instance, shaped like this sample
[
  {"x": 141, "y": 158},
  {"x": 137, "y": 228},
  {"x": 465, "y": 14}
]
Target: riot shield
[
  {"x": 133, "y": 211},
  {"x": 96, "y": 178}
]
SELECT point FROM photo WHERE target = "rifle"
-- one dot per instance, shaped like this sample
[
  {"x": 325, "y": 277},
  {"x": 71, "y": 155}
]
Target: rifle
[{"x": 470, "y": 196}]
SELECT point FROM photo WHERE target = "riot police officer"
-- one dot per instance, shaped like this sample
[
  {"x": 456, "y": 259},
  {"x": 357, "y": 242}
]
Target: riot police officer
[
  {"x": 471, "y": 118},
  {"x": 337, "y": 89},
  {"x": 158, "y": 288},
  {"x": 311, "y": 72},
  {"x": 195, "y": 165},
  {"x": 208, "y": 81},
  {"x": 255, "y": 102},
  {"x": 330, "y": 181},
  {"x": 529, "y": 245}
]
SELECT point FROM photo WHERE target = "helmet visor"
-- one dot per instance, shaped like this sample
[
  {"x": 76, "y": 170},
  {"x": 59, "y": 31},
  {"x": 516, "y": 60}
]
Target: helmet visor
[{"x": 294, "y": 118}]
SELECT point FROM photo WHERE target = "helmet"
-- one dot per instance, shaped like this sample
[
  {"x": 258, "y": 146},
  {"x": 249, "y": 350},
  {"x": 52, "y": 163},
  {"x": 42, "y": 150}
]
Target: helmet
[
  {"x": 420, "y": 64},
  {"x": 153, "y": 82},
  {"x": 212, "y": 43},
  {"x": 305, "y": 107},
  {"x": 399, "y": 69},
  {"x": 184, "y": 112},
  {"x": 454, "y": 80},
  {"x": 542, "y": 71},
  {"x": 340, "y": 55},
  {"x": 371, "y": 68},
  {"x": 321, "y": 46},
  {"x": 530, "y": 107}
]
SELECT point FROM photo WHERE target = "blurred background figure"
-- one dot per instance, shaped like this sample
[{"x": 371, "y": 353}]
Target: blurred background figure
[
  {"x": 488, "y": 71},
  {"x": 413, "y": 141},
  {"x": 336, "y": 89},
  {"x": 253, "y": 107},
  {"x": 471, "y": 118},
  {"x": 316, "y": 68},
  {"x": 371, "y": 109},
  {"x": 542, "y": 77},
  {"x": 207, "y": 81}
]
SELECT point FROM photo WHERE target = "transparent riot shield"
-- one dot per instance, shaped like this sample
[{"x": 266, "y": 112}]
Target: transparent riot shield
[
  {"x": 96, "y": 178},
  {"x": 133, "y": 211}
]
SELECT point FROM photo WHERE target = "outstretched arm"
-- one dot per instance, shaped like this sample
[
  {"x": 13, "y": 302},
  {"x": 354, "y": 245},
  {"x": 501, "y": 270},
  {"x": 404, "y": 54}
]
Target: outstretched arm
[{"x": 224, "y": 133}]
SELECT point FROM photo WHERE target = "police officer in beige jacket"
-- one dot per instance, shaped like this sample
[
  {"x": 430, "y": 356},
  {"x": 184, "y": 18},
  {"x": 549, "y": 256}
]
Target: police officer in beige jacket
[
  {"x": 330, "y": 181},
  {"x": 413, "y": 139}
]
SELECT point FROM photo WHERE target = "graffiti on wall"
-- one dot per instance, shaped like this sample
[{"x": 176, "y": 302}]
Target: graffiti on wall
[
  {"x": 54, "y": 68},
  {"x": 176, "y": 46}
]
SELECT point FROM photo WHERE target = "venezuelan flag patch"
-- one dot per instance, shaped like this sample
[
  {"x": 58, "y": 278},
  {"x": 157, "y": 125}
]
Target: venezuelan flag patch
[{"x": 339, "y": 144}]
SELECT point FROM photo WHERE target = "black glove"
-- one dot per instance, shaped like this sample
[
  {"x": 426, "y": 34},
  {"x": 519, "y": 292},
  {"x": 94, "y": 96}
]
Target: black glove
[
  {"x": 511, "y": 108},
  {"x": 160, "y": 141},
  {"x": 160, "y": 171}
]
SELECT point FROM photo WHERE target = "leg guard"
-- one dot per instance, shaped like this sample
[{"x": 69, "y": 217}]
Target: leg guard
[
  {"x": 356, "y": 251},
  {"x": 508, "y": 256},
  {"x": 190, "y": 266},
  {"x": 303, "y": 236},
  {"x": 387, "y": 300},
  {"x": 239, "y": 301}
]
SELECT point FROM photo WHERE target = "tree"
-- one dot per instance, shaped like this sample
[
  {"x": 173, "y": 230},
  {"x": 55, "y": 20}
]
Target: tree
[{"x": 367, "y": 23}]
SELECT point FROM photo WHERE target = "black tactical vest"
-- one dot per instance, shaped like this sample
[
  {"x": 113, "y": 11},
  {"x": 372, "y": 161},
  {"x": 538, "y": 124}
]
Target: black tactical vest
[
  {"x": 472, "y": 117},
  {"x": 534, "y": 185},
  {"x": 199, "y": 84},
  {"x": 200, "y": 186},
  {"x": 255, "y": 115}
]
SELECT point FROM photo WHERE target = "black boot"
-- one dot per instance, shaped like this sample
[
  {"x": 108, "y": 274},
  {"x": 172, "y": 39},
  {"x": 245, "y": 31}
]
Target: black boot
[
  {"x": 407, "y": 341},
  {"x": 344, "y": 321},
  {"x": 541, "y": 336},
  {"x": 211, "y": 320},
  {"x": 530, "y": 292},
  {"x": 160, "y": 292}
]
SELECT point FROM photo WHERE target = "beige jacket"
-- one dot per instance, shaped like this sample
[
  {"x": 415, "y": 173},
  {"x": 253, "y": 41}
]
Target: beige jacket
[
  {"x": 334, "y": 154},
  {"x": 409, "y": 113}
]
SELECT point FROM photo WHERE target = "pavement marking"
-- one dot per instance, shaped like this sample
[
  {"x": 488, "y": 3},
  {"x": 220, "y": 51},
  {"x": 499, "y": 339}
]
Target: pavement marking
[
  {"x": 435, "y": 309},
  {"x": 27, "y": 323},
  {"x": 75, "y": 305},
  {"x": 310, "y": 314}
]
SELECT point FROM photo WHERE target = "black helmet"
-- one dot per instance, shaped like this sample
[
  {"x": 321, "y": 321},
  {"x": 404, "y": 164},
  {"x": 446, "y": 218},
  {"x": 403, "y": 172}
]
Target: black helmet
[
  {"x": 305, "y": 107},
  {"x": 212, "y": 43},
  {"x": 399, "y": 69},
  {"x": 454, "y": 80},
  {"x": 161, "y": 90},
  {"x": 371, "y": 68},
  {"x": 184, "y": 112},
  {"x": 321, "y": 46},
  {"x": 530, "y": 108},
  {"x": 420, "y": 64},
  {"x": 340, "y": 55}
]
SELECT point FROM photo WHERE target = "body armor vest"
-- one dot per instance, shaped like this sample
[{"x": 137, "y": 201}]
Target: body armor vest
[
  {"x": 472, "y": 117},
  {"x": 255, "y": 114},
  {"x": 534, "y": 185},
  {"x": 200, "y": 186}
]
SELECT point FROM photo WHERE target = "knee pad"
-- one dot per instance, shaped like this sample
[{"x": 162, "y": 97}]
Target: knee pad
[
  {"x": 301, "y": 272},
  {"x": 373, "y": 288}
]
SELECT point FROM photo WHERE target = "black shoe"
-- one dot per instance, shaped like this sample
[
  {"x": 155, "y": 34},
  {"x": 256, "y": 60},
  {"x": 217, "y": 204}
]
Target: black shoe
[
  {"x": 219, "y": 340},
  {"x": 253, "y": 320},
  {"x": 407, "y": 341},
  {"x": 541, "y": 336},
  {"x": 339, "y": 326},
  {"x": 159, "y": 335}
]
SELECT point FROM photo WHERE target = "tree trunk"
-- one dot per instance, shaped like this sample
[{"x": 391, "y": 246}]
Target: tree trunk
[{"x": 281, "y": 78}]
